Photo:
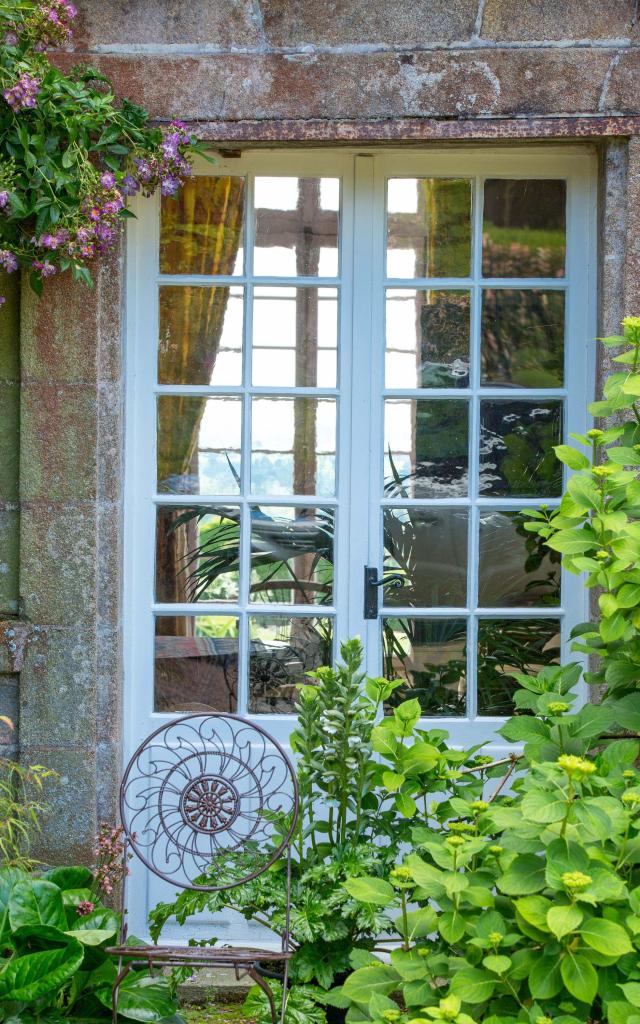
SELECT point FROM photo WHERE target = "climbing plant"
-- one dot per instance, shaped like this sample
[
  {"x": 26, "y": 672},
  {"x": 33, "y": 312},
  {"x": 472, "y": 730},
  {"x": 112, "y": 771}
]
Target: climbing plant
[{"x": 70, "y": 153}]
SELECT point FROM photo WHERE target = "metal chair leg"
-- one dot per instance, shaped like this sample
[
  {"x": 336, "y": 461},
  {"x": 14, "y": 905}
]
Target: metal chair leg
[
  {"x": 266, "y": 988},
  {"x": 285, "y": 987},
  {"x": 122, "y": 974}
]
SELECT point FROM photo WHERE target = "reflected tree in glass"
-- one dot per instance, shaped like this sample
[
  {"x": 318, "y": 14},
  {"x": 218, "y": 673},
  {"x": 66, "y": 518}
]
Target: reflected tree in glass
[
  {"x": 507, "y": 647},
  {"x": 430, "y": 656},
  {"x": 282, "y": 650},
  {"x": 524, "y": 228},
  {"x": 516, "y": 448}
]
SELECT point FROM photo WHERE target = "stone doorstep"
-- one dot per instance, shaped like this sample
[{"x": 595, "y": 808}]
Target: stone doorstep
[{"x": 210, "y": 985}]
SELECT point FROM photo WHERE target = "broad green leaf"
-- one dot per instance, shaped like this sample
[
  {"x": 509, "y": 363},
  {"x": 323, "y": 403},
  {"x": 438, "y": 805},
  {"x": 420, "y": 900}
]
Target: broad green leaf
[
  {"x": 30, "y": 977},
  {"x": 580, "y": 977},
  {"x": 545, "y": 979},
  {"x": 420, "y": 923},
  {"x": 36, "y": 902},
  {"x": 571, "y": 457},
  {"x": 543, "y": 807},
  {"x": 75, "y": 877},
  {"x": 451, "y": 926},
  {"x": 564, "y": 920},
  {"x": 606, "y": 937},
  {"x": 525, "y": 875},
  {"x": 361, "y": 985},
  {"x": 405, "y": 804},
  {"x": 425, "y": 875},
  {"x": 534, "y": 909},
  {"x": 523, "y": 728},
  {"x": 371, "y": 890},
  {"x": 420, "y": 757},
  {"x": 383, "y": 741},
  {"x": 632, "y": 992},
  {"x": 143, "y": 998},
  {"x": 497, "y": 964},
  {"x": 392, "y": 780},
  {"x": 472, "y": 985}
]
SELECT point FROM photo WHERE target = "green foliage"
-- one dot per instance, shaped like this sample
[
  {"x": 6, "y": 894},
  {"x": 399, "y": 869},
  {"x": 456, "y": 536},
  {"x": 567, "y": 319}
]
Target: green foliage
[
  {"x": 53, "y": 960},
  {"x": 21, "y": 809},
  {"x": 364, "y": 782},
  {"x": 302, "y": 1007}
]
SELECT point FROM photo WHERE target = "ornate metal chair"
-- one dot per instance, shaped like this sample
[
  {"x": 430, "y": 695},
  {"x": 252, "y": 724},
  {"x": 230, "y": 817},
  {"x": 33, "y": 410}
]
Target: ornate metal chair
[{"x": 208, "y": 802}]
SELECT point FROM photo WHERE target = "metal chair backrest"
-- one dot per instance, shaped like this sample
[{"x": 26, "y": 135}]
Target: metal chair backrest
[{"x": 209, "y": 801}]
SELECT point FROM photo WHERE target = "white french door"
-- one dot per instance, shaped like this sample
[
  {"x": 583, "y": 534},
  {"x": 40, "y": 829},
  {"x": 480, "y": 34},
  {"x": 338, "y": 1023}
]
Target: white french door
[{"x": 342, "y": 367}]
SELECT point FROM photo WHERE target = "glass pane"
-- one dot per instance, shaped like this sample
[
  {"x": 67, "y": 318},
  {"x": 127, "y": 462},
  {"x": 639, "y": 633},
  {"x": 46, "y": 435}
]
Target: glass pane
[
  {"x": 282, "y": 651},
  {"x": 196, "y": 663},
  {"x": 202, "y": 228},
  {"x": 197, "y": 554},
  {"x": 524, "y": 228},
  {"x": 426, "y": 448},
  {"x": 428, "y": 546},
  {"x": 430, "y": 656},
  {"x": 516, "y": 448},
  {"x": 294, "y": 446},
  {"x": 523, "y": 338},
  {"x": 427, "y": 338},
  {"x": 292, "y": 555},
  {"x": 517, "y": 570},
  {"x": 200, "y": 335},
  {"x": 296, "y": 225},
  {"x": 295, "y": 337},
  {"x": 506, "y": 646},
  {"x": 428, "y": 227},
  {"x": 199, "y": 445}
]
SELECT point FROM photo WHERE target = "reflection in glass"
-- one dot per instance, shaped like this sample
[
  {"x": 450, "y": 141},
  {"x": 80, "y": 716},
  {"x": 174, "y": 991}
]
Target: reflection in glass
[
  {"x": 293, "y": 446},
  {"x": 200, "y": 335},
  {"x": 507, "y": 646},
  {"x": 427, "y": 338},
  {"x": 428, "y": 227},
  {"x": 295, "y": 337},
  {"x": 516, "y": 448},
  {"x": 282, "y": 651},
  {"x": 430, "y": 656},
  {"x": 428, "y": 546},
  {"x": 426, "y": 448},
  {"x": 523, "y": 338},
  {"x": 524, "y": 228},
  {"x": 516, "y": 570},
  {"x": 196, "y": 663},
  {"x": 201, "y": 229},
  {"x": 296, "y": 227},
  {"x": 292, "y": 555},
  {"x": 197, "y": 553},
  {"x": 199, "y": 445}
]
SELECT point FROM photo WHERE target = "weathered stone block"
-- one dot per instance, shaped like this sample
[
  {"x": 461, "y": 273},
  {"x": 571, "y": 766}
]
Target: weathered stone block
[
  {"x": 58, "y": 442},
  {"x": 557, "y": 19},
  {"x": 364, "y": 85},
  {"x": 108, "y": 721},
  {"x": 226, "y": 23},
  {"x": 8, "y": 709},
  {"x": 10, "y": 327},
  {"x": 9, "y": 446},
  {"x": 70, "y": 825},
  {"x": 632, "y": 264},
  {"x": 335, "y": 23},
  {"x": 58, "y": 563},
  {"x": 60, "y": 333},
  {"x": 58, "y": 690},
  {"x": 9, "y": 560}
]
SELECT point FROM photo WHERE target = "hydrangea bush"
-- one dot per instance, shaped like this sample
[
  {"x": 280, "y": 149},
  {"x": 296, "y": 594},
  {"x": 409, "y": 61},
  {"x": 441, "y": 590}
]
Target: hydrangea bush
[{"x": 69, "y": 154}]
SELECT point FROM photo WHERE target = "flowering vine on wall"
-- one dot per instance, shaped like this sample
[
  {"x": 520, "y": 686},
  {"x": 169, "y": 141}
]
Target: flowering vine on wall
[{"x": 69, "y": 154}]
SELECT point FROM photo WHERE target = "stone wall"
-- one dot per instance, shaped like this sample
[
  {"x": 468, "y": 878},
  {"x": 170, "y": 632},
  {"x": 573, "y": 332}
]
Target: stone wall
[{"x": 309, "y": 61}]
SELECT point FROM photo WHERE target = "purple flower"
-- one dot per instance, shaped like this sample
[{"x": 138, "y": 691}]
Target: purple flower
[
  {"x": 23, "y": 94},
  {"x": 4, "y": 199},
  {"x": 2, "y": 300},
  {"x": 169, "y": 185},
  {"x": 45, "y": 269},
  {"x": 72, "y": 10},
  {"x": 129, "y": 185},
  {"x": 83, "y": 235},
  {"x": 49, "y": 241},
  {"x": 8, "y": 261},
  {"x": 11, "y": 39},
  {"x": 84, "y": 908},
  {"x": 108, "y": 179}
]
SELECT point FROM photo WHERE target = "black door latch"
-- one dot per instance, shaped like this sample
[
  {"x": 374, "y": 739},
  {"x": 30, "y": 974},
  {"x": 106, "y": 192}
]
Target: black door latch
[{"x": 371, "y": 585}]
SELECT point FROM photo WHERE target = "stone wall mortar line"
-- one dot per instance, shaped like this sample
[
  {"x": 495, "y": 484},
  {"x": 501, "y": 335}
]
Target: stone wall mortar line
[
  {"x": 351, "y": 49},
  {"x": 615, "y": 60},
  {"x": 477, "y": 28}
]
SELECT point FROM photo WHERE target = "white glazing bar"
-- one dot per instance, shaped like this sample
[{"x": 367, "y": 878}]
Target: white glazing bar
[
  {"x": 221, "y": 280},
  {"x": 464, "y": 283},
  {"x": 511, "y": 394},
  {"x": 243, "y": 608}
]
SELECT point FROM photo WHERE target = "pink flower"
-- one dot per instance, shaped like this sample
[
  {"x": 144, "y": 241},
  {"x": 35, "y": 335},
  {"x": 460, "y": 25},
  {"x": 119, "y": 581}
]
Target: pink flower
[{"x": 84, "y": 908}]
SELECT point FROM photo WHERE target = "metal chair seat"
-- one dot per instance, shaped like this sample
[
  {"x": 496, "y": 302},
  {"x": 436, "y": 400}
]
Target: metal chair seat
[{"x": 208, "y": 802}]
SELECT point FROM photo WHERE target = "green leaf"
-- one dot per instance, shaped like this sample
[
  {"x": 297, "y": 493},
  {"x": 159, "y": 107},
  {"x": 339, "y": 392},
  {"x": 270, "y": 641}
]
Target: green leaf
[
  {"x": 142, "y": 998},
  {"x": 580, "y": 977},
  {"x": 30, "y": 977},
  {"x": 36, "y": 902},
  {"x": 543, "y": 807},
  {"x": 524, "y": 875},
  {"x": 606, "y": 937},
  {"x": 420, "y": 923},
  {"x": 632, "y": 992},
  {"x": 523, "y": 728},
  {"x": 371, "y": 890},
  {"x": 472, "y": 985},
  {"x": 70, "y": 877},
  {"x": 564, "y": 920},
  {"x": 545, "y": 979},
  {"x": 361, "y": 985},
  {"x": 497, "y": 964},
  {"x": 406, "y": 805},
  {"x": 383, "y": 741},
  {"x": 392, "y": 780},
  {"x": 571, "y": 457},
  {"x": 451, "y": 926},
  {"x": 534, "y": 909}
]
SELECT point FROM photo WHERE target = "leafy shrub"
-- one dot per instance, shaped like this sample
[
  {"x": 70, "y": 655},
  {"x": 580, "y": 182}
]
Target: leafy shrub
[
  {"x": 21, "y": 809},
  {"x": 54, "y": 933},
  {"x": 373, "y": 780}
]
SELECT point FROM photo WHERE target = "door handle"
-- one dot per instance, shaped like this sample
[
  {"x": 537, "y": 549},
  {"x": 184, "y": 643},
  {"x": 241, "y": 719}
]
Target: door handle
[{"x": 371, "y": 584}]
